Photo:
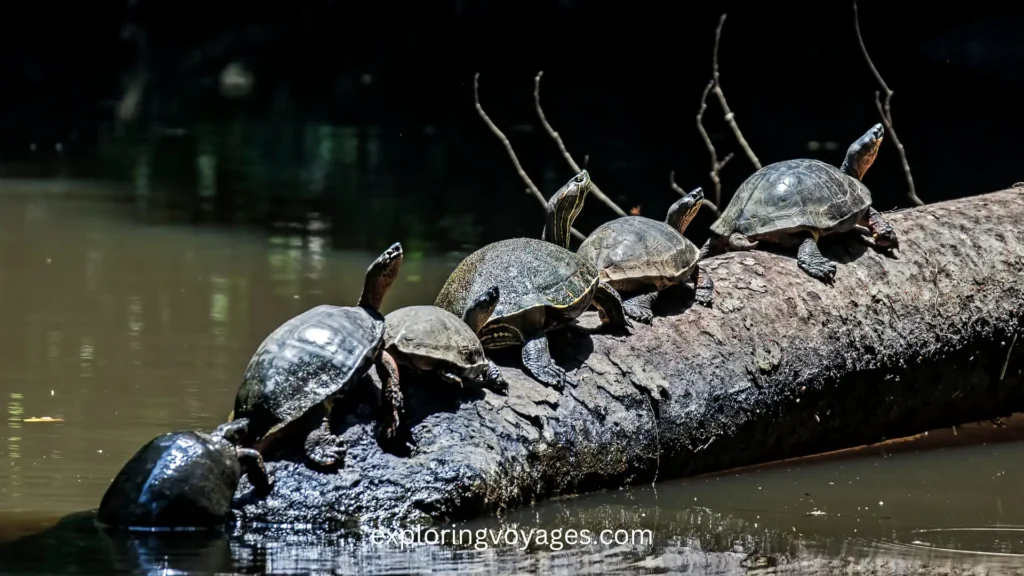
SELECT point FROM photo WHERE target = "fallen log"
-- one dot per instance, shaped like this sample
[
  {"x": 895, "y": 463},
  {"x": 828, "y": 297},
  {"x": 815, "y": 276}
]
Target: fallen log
[{"x": 781, "y": 366}]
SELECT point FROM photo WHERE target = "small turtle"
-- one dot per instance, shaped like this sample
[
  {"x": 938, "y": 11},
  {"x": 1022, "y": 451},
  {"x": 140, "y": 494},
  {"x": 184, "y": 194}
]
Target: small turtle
[
  {"x": 639, "y": 257},
  {"x": 429, "y": 338},
  {"x": 543, "y": 286},
  {"x": 298, "y": 371},
  {"x": 795, "y": 202},
  {"x": 182, "y": 480}
]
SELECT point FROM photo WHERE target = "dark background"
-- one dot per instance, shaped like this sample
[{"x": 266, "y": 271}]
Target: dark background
[{"x": 360, "y": 115}]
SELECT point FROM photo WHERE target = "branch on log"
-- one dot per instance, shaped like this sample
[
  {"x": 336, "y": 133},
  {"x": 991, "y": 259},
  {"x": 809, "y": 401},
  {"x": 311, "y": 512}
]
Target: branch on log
[
  {"x": 594, "y": 190},
  {"x": 885, "y": 110},
  {"x": 781, "y": 366},
  {"x": 716, "y": 87},
  {"x": 531, "y": 188}
]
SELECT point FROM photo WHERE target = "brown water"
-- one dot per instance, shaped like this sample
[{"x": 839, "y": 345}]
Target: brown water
[{"x": 122, "y": 330}]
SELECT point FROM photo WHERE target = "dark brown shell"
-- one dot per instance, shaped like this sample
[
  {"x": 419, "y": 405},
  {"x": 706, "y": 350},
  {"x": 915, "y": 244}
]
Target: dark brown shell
[
  {"x": 309, "y": 358},
  {"x": 633, "y": 252},
  {"x": 429, "y": 336},
  {"x": 793, "y": 195}
]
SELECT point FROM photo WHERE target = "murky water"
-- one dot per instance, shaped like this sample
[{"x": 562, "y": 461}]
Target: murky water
[{"x": 119, "y": 331}]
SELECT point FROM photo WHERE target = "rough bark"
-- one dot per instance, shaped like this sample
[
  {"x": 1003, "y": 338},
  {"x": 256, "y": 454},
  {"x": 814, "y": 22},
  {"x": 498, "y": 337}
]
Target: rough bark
[{"x": 781, "y": 366}]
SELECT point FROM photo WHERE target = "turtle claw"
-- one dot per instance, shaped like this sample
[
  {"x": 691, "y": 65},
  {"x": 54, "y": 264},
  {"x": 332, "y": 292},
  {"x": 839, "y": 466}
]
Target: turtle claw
[
  {"x": 638, "y": 313},
  {"x": 704, "y": 295},
  {"x": 325, "y": 449},
  {"x": 641, "y": 307},
  {"x": 538, "y": 362},
  {"x": 451, "y": 379},
  {"x": 551, "y": 375},
  {"x": 811, "y": 261},
  {"x": 494, "y": 380}
]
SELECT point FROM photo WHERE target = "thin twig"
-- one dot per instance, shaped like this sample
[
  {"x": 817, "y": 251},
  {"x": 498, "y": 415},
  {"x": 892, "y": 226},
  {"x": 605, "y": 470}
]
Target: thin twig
[
  {"x": 716, "y": 165},
  {"x": 716, "y": 86},
  {"x": 885, "y": 110},
  {"x": 530, "y": 186},
  {"x": 565, "y": 153},
  {"x": 1002, "y": 373},
  {"x": 707, "y": 203}
]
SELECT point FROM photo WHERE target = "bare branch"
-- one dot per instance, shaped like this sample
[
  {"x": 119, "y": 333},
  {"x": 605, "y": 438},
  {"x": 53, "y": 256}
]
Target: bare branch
[
  {"x": 565, "y": 153},
  {"x": 716, "y": 86},
  {"x": 885, "y": 110},
  {"x": 530, "y": 186},
  {"x": 716, "y": 165},
  {"x": 708, "y": 203}
]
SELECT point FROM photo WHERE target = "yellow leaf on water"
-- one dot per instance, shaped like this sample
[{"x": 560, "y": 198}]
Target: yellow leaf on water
[{"x": 42, "y": 419}]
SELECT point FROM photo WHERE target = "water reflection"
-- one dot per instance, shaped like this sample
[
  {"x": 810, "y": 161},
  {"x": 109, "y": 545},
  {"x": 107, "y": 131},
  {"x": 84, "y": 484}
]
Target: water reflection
[{"x": 120, "y": 331}]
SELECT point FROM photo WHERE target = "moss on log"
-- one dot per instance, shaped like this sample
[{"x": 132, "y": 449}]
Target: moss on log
[{"x": 781, "y": 366}]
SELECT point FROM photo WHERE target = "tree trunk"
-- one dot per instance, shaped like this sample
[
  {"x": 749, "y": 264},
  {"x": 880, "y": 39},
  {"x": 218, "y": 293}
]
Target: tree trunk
[{"x": 781, "y": 366}]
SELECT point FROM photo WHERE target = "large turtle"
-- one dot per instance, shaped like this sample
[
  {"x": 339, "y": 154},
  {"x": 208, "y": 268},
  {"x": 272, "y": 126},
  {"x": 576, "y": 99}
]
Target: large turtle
[
  {"x": 298, "y": 371},
  {"x": 639, "y": 256},
  {"x": 182, "y": 480},
  {"x": 795, "y": 202},
  {"x": 543, "y": 286}
]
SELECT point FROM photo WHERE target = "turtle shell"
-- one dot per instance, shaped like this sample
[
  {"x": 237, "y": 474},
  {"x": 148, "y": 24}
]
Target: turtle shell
[
  {"x": 178, "y": 479},
  {"x": 793, "y": 195},
  {"x": 428, "y": 336},
  {"x": 534, "y": 277},
  {"x": 634, "y": 253},
  {"x": 309, "y": 358}
]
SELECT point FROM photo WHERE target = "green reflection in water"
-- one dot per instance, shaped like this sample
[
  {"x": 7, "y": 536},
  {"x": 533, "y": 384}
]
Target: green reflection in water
[
  {"x": 15, "y": 410},
  {"x": 86, "y": 357}
]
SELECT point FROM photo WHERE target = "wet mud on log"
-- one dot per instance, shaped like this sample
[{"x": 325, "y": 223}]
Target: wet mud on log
[{"x": 781, "y": 366}]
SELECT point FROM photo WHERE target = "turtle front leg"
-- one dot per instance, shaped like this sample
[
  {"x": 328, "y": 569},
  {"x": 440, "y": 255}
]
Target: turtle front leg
[
  {"x": 255, "y": 471},
  {"x": 322, "y": 447},
  {"x": 391, "y": 398},
  {"x": 810, "y": 260},
  {"x": 713, "y": 246},
  {"x": 703, "y": 286},
  {"x": 538, "y": 362},
  {"x": 609, "y": 306},
  {"x": 882, "y": 232},
  {"x": 738, "y": 242},
  {"x": 639, "y": 307},
  {"x": 493, "y": 379},
  {"x": 450, "y": 378}
]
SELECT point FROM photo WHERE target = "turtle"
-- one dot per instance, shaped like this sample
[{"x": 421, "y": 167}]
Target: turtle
[
  {"x": 433, "y": 339},
  {"x": 302, "y": 367},
  {"x": 543, "y": 286},
  {"x": 795, "y": 202},
  {"x": 182, "y": 480},
  {"x": 640, "y": 256}
]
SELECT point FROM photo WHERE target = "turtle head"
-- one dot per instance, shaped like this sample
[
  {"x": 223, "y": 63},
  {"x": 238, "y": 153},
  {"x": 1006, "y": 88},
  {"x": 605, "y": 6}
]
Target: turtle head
[
  {"x": 682, "y": 212},
  {"x": 479, "y": 311},
  {"x": 380, "y": 276},
  {"x": 233, "y": 432},
  {"x": 861, "y": 154},
  {"x": 564, "y": 207}
]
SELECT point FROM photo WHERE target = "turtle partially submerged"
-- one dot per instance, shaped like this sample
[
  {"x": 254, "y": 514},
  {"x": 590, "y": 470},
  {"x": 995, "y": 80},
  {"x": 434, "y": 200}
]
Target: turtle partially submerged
[
  {"x": 543, "y": 286},
  {"x": 639, "y": 257},
  {"x": 296, "y": 374},
  {"x": 795, "y": 202},
  {"x": 432, "y": 339},
  {"x": 182, "y": 480}
]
